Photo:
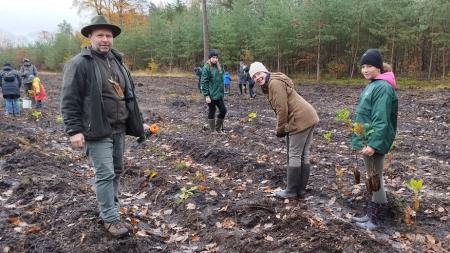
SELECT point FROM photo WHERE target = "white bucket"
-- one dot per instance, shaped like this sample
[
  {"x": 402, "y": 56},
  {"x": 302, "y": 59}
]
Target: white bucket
[{"x": 26, "y": 103}]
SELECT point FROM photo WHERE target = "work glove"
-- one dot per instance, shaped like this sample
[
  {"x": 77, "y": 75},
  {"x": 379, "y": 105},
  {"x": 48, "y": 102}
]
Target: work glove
[{"x": 281, "y": 133}]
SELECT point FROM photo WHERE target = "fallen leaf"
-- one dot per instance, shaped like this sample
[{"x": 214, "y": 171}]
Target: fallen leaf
[
  {"x": 141, "y": 233},
  {"x": 441, "y": 209},
  {"x": 213, "y": 193},
  {"x": 211, "y": 247},
  {"x": 202, "y": 188},
  {"x": 240, "y": 189},
  {"x": 190, "y": 206},
  {"x": 431, "y": 239},
  {"x": 83, "y": 236},
  {"x": 33, "y": 230},
  {"x": 396, "y": 235},
  {"x": 15, "y": 220},
  {"x": 228, "y": 223},
  {"x": 142, "y": 195},
  {"x": 195, "y": 238},
  {"x": 223, "y": 209},
  {"x": 134, "y": 221},
  {"x": 8, "y": 193},
  {"x": 268, "y": 238},
  {"x": 332, "y": 200},
  {"x": 177, "y": 238},
  {"x": 268, "y": 225}
]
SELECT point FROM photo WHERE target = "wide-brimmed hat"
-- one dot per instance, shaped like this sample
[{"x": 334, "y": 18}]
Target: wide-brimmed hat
[{"x": 100, "y": 21}]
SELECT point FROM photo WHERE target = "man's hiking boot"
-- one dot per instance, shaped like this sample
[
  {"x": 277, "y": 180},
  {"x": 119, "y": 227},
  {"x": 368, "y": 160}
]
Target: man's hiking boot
[{"x": 116, "y": 229}]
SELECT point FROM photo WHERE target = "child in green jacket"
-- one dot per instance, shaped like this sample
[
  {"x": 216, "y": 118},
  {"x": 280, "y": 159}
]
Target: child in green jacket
[{"x": 376, "y": 126}]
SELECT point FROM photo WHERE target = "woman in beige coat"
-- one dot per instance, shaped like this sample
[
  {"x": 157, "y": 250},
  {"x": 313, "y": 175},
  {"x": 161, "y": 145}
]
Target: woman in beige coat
[{"x": 296, "y": 119}]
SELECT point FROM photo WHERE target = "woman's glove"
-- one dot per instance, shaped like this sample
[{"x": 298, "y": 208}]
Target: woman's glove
[{"x": 281, "y": 132}]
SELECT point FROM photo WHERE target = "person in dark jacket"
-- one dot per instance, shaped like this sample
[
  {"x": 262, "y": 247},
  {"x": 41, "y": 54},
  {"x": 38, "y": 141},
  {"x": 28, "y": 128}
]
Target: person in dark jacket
[
  {"x": 213, "y": 91},
  {"x": 28, "y": 72},
  {"x": 198, "y": 73},
  {"x": 10, "y": 83},
  {"x": 376, "y": 115},
  {"x": 242, "y": 78},
  {"x": 250, "y": 82},
  {"x": 99, "y": 107}
]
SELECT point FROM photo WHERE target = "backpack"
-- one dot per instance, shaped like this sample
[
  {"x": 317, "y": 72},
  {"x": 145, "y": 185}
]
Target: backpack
[{"x": 9, "y": 76}]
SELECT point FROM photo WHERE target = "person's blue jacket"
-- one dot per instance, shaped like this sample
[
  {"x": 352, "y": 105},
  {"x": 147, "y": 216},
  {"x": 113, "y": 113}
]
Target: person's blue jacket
[{"x": 226, "y": 78}]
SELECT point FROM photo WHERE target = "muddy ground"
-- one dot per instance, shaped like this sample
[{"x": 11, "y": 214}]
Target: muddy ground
[{"x": 185, "y": 190}]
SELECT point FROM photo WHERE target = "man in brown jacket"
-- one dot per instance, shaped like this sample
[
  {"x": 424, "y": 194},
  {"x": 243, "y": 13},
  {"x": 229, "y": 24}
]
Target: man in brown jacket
[{"x": 296, "y": 119}]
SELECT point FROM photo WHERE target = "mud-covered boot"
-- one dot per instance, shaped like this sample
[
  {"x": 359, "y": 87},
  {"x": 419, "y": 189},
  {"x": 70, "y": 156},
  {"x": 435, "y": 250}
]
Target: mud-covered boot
[
  {"x": 212, "y": 125},
  {"x": 116, "y": 229},
  {"x": 304, "y": 177},
  {"x": 375, "y": 214},
  {"x": 293, "y": 183},
  {"x": 219, "y": 125}
]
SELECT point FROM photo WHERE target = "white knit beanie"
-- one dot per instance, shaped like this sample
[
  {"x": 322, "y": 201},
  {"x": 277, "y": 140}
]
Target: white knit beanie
[{"x": 257, "y": 67}]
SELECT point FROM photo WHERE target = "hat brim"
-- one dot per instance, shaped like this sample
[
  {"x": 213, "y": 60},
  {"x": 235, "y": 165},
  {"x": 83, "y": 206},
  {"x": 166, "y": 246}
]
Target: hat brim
[{"x": 88, "y": 29}]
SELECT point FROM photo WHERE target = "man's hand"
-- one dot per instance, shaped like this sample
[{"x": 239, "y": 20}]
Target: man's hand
[
  {"x": 369, "y": 151},
  {"x": 77, "y": 140},
  {"x": 208, "y": 100}
]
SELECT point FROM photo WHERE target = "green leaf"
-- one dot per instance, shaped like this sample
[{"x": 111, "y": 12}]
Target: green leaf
[
  {"x": 415, "y": 185},
  {"x": 342, "y": 115},
  {"x": 328, "y": 135}
]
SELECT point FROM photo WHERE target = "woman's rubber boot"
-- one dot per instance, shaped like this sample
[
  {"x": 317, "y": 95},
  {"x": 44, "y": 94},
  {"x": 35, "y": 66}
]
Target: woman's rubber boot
[
  {"x": 304, "y": 177},
  {"x": 212, "y": 125},
  {"x": 293, "y": 184},
  {"x": 375, "y": 214},
  {"x": 219, "y": 125}
]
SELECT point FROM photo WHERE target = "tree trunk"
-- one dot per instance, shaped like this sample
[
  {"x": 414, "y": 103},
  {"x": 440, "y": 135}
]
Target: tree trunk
[
  {"x": 205, "y": 32},
  {"x": 318, "y": 54},
  {"x": 278, "y": 57},
  {"x": 431, "y": 49},
  {"x": 444, "y": 50},
  {"x": 392, "y": 48},
  {"x": 356, "y": 48}
]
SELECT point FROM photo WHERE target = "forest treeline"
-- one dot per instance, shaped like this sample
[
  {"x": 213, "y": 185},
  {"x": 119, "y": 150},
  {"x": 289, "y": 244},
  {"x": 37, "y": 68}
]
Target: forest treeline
[{"x": 313, "y": 37}]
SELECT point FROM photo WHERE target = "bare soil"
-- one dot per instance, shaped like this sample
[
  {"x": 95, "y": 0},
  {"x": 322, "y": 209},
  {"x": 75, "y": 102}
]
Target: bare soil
[{"x": 47, "y": 201}]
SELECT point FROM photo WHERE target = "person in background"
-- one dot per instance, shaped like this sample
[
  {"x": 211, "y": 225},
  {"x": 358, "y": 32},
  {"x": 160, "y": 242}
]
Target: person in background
[
  {"x": 250, "y": 82},
  {"x": 377, "y": 109},
  {"x": 39, "y": 92},
  {"x": 213, "y": 91},
  {"x": 10, "y": 83},
  {"x": 296, "y": 119},
  {"x": 226, "y": 80},
  {"x": 28, "y": 71},
  {"x": 99, "y": 107},
  {"x": 198, "y": 73},
  {"x": 242, "y": 78}
]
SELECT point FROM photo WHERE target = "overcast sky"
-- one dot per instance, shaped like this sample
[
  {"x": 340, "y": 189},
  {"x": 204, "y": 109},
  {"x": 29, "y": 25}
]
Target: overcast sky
[{"x": 27, "y": 18}]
